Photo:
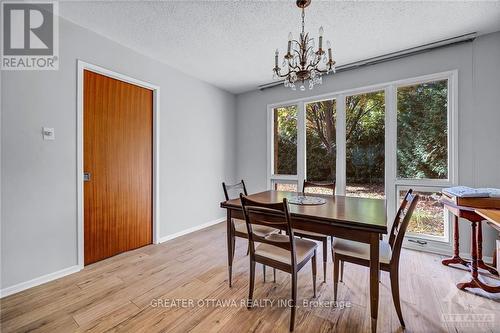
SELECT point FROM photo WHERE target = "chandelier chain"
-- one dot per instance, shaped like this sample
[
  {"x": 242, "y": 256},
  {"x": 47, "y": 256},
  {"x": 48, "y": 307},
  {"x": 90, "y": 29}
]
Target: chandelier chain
[{"x": 303, "y": 20}]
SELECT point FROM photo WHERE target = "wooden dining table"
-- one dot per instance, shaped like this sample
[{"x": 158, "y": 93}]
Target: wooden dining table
[{"x": 358, "y": 219}]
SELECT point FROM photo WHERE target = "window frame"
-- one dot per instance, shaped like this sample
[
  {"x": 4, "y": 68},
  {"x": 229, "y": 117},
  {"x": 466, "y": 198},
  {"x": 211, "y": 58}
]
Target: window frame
[
  {"x": 304, "y": 133},
  {"x": 391, "y": 181},
  {"x": 271, "y": 175}
]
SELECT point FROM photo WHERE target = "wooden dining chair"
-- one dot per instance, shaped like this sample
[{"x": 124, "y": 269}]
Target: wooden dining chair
[
  {"x": 314, "y": 235},
  {"x": 283, "y": 252},
  {"x": 238, "y": 226},
  {"x": 359, "y": 253}
]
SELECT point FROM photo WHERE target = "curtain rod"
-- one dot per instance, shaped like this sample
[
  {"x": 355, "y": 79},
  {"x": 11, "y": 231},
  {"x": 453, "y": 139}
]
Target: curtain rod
[{"x": 393, "y": 56}]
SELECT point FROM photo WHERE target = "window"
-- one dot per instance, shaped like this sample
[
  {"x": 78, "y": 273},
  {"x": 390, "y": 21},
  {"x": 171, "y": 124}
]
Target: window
[
  {"x": 365, "y": 137},
  {"x": 321, "y": 141},
  {"x": 284, "y": 185},
  {"x": 429, "y": 216},
  {"x": 423, "y": 155},
  {"x": 285, "y": 140},
  {"x": 375, "y": 142},
  {"x": 422, "y": 148}
]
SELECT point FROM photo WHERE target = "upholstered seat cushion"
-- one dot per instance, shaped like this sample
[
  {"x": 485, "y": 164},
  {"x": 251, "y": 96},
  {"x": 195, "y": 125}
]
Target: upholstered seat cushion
[
  {"x": 303, "y": 248},
  {"x": 361, "y": 250},
  {"x": 259, "y": 230},
  {"x": 308, "y": 233}
]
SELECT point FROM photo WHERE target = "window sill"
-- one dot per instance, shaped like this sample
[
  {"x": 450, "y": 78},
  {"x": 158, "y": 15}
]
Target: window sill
[{"x": 432, "y": 246}]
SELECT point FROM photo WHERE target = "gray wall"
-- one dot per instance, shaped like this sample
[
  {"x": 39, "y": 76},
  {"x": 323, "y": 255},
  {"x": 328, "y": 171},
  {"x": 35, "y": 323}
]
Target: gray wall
[
  {"x": 478, "y": 65},
  {"x": 39, "y": 213}
]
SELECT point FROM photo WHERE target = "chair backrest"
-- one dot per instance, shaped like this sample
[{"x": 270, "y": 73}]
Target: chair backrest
[
  {"x": 329, "y": 186},
  {"x": 233, "y": 191},
  {"x": 275, "y": 215},
  {"x": 400, "y": 224}
]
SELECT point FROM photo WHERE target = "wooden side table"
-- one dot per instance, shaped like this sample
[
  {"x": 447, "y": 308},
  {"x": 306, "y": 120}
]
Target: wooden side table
[{"x": 469, "y": 214}]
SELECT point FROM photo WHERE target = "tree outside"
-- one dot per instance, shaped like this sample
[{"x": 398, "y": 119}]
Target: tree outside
[{"x": 422, "y": 149}]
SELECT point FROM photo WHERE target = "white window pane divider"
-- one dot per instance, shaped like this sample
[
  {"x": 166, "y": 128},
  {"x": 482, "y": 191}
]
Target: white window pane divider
[
  {"x": 301, "y": 144},
  {"x": 340, "y": 178},
  {"x": 390, "y": 153}
]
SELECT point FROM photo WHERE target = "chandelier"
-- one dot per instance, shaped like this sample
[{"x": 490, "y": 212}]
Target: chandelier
[{"x": 301, "y": 62}]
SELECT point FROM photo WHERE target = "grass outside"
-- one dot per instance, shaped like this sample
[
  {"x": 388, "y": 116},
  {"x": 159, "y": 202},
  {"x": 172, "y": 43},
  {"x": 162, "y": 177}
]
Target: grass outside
[{"x": 427, "y": 218}]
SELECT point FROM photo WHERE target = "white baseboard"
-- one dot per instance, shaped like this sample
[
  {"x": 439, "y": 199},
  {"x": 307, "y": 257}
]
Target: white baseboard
[
  {"x": 38, "y": 281},
  {"x": 190, "y": 230},
  {"x": 73, "y": 269}
]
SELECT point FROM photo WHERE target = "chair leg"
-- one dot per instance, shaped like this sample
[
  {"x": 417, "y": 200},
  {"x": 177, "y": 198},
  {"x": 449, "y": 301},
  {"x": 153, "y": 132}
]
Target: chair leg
[
  {"x": 251, "y": 284},
  {"x": 294, "y": 300},
  {"x": 230, "y": 268},
  {"x": 274, "y": 275},
  {"x": 264, "y": 272},
  {"x": 233, "y": 245},
  {"x": 331, "y": 244},
  {"x": 335, "y": 276},
  {"x": 325, "y": 258},
  {"x": 341, "y": 271},
  {"x": 313, "y": 263},
  {"x": 395, "y": 294},
  {"x": 248, "y": 248}
]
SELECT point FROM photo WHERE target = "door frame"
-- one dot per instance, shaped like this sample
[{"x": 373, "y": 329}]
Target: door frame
[{"x": 81, "y": 66}]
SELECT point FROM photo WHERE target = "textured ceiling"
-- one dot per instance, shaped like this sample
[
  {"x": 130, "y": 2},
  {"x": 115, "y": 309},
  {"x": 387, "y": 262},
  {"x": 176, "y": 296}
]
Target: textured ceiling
[{"x": 231, "y": 43}]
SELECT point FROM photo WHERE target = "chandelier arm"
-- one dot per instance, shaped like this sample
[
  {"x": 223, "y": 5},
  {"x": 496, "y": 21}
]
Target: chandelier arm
[
  {"x": 313, "y": 64},
  {"x": 283, "y": 75},
  {"x": 322, "y": 71}
]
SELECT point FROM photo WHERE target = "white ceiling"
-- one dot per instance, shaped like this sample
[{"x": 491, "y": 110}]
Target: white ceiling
[{"x": 231, "y": 43}]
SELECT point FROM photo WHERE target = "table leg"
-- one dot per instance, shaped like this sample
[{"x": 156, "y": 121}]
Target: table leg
[
  {"x": 480, "y": 262},
  {"x": 374, "y": 278},
  {"x": 456, "y": 247},
  {"x": 495, "y": 257},
  {"x": 472, "y": 283},
  {"x": 229, "y": 246},
  {"x": 475, "y": 282}
]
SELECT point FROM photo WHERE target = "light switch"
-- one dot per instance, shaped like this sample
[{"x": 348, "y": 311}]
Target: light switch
[{"x": 48, "y": 133}]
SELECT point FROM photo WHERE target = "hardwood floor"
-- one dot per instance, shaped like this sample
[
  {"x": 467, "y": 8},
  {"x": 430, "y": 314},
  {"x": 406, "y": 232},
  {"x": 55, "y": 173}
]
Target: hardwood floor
[{"x": 119, "y": 294}]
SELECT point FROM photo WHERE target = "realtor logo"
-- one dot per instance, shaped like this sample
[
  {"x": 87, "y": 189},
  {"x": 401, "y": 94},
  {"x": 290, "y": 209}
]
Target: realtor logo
[{"x": 30, "y": 36}]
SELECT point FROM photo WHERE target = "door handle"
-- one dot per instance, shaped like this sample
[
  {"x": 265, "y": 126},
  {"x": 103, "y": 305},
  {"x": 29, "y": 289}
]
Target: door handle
[{"x": 86, "y": 176}]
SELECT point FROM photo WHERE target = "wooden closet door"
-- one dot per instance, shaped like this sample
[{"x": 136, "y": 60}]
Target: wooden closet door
[{"x": 118, "y": 155}]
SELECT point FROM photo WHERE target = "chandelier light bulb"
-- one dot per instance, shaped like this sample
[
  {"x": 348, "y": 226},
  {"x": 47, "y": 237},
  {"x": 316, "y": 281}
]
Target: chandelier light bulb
[
  {"x": 328, "y": 44},
  {"x": 290, "y": 36},
  {"x": 321, "y": 31}
]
